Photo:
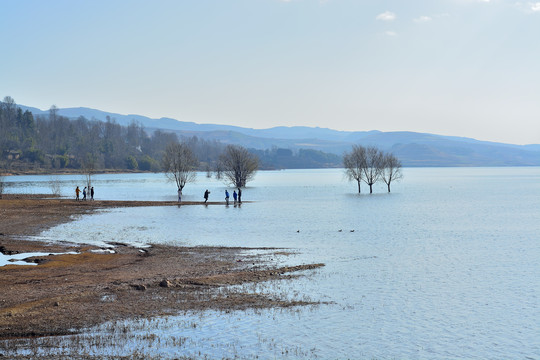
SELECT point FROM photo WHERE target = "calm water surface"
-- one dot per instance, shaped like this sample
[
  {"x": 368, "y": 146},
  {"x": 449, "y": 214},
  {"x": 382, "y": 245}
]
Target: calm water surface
[{"x": 446, "y": 266}]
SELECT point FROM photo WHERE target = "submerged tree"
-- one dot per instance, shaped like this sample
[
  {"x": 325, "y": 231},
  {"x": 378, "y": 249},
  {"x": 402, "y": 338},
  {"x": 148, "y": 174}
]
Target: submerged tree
[
  {"x": 354, "y": 163},
  {"x": 179, "y": 164},
  {"x": 372, "y": 166},
  {"x": 237, "y": 165},
  {"x": 391, "y": 169}
]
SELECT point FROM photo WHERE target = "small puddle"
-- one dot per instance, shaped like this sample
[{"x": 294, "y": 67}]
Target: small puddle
[{"x": 18, "y": 259}]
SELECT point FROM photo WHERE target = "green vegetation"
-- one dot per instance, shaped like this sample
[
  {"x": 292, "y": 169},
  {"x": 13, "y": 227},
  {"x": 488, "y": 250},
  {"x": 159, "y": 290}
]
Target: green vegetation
[{"x": 54, "y": 143}]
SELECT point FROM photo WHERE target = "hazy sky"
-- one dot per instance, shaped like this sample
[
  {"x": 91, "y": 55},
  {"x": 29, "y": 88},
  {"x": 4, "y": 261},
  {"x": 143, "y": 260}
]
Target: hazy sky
[{"x": 451, "y": 67}]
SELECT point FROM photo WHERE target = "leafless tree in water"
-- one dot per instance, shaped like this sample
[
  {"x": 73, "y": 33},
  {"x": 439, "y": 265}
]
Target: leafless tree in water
[
  {"x": 391, "y": 170},
  {"x": 238, "y": 166},
  {"x": 369, "y": 164},
  {"x": 179, "y": 164},
  {"x": 354, "y": 163},
  {"x": 373, "y": 166}
]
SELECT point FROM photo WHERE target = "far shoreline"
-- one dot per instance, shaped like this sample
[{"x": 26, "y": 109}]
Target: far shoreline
[{"x": 40, "y": 171}]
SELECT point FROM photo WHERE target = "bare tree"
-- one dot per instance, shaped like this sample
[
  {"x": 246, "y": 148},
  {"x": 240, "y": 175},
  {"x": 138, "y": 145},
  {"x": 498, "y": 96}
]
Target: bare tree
[
  {"x": 237, "y": 165},
  {"x": 218, "y": 170},
  {"x": 391, "y": 169},
  {"x": 208, "y": 171},
  {"x": 179, "y": 164},
  {"x": 55, "y": 185},
  {"x": 373, "y": 166},
  {"x": 2, "y": 185},
  {"x": 53, "y": 113},
  {"x": 354, "y": 163},
  {"x": 88, "y": 168}
]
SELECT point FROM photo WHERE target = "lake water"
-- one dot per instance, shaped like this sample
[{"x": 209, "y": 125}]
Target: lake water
[{"x": 445, "y": 266}]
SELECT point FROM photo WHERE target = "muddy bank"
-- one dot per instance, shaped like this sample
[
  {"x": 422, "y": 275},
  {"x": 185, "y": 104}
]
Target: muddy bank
[{"x": 66, "y": 293}]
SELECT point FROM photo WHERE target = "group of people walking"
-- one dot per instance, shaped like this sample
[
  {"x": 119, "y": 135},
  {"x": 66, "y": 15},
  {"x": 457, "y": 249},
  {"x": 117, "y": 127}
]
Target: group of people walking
[
  {"x": 237, "y": 196},
  {"x": 78, "y": 191}
]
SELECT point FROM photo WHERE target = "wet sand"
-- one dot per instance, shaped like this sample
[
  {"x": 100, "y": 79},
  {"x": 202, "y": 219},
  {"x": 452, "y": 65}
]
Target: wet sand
[{"x": 64, "y": 294}]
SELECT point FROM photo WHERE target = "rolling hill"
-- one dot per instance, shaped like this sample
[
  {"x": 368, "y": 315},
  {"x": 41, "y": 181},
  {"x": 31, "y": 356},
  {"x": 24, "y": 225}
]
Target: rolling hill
[{"x": 414, "y": 149}]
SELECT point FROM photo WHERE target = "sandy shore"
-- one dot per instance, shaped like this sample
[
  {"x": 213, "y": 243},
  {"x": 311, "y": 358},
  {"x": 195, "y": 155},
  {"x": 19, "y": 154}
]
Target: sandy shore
[{"x": 64, "y": 294}]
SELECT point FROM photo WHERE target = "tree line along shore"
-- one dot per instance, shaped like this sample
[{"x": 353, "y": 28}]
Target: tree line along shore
[{"x": 55, "y": 143}]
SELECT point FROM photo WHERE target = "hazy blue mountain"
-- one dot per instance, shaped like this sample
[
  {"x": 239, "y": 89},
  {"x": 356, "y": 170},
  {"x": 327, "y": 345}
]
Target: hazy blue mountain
[
  {"x": 280, "y": 132},
  {"x": 414, "y": 149},
  {"x": 532, "y": 147}
]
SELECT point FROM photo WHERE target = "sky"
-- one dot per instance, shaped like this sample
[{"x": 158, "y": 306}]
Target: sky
[{"x": 451, "y": 67}]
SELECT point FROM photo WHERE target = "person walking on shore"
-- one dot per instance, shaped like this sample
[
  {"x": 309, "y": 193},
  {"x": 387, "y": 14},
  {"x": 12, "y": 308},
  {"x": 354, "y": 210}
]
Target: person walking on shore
[
  {"x": 227, "y": 197},
  {"x": 206, "y": 193},
  {"x": 84, "y": 194},
  {"x": 239, "y": 195},
  {"x": 235, "y": 196},
  {"x": 77, "y": 192},
  {"x": 92, "y": 193}
]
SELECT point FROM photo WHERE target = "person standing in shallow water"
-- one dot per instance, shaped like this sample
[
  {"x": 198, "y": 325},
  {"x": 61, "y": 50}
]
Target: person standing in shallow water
[
  {"x": 227, "y": 197},
  {"x": 77, "y": 192},
  {"x": 92, "y": 193},
  {"x": 206, "y": 193}
]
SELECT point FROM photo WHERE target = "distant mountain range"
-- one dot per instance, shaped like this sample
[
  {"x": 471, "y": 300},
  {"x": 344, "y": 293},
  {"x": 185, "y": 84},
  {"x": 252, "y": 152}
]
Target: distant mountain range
[{"x": 414, "y": 149}]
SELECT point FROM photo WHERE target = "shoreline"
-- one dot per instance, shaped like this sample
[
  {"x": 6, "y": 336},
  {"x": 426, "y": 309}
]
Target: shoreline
[
  {"x": 41, "y": 171},
  {"x": 67, "y": 293}
]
